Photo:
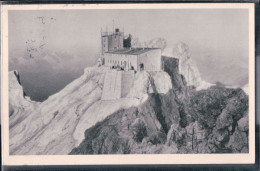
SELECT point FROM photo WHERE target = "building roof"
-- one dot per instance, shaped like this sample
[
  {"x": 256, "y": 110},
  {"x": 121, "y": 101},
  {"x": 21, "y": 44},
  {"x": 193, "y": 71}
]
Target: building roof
[
  {"x": 131, "y": 51},
  {"x": 106, "y": 34}
]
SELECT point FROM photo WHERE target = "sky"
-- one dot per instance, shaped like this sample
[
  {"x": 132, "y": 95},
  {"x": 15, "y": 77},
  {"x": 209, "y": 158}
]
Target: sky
[{"x": 67, "y": 41}]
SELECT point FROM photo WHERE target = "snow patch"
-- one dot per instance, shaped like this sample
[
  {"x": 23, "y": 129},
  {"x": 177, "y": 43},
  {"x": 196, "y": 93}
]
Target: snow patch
[{"x": 246, "y": 89}]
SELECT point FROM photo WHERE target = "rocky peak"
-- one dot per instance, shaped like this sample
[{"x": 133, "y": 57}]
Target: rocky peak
[{"x": 187, "y": 66}]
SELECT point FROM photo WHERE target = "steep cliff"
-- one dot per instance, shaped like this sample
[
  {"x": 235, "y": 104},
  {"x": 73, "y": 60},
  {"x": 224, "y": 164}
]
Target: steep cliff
[
  {"x": 187, "y": 66},
  {"x": 217, "y": 125}
]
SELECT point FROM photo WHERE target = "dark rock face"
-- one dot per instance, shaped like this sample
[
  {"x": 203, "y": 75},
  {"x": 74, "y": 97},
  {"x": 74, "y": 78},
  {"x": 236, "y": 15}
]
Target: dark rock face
[
  {"x": 129, "y": 129},
  {"x": 220, "y": 126},
  {"x": 171, "y": 66},
  {"x": 178, "y": 81},
  {"x": 182, "y": 121},
  {"x": 219, "y": 113}
]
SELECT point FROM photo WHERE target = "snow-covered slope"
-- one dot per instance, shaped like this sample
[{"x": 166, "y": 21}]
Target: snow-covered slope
[
  {"x": 57, "y": 125},
  {"x": 19, "y": 104}
]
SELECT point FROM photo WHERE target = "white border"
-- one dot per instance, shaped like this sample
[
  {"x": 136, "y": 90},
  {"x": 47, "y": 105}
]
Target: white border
[{"x": 127, "y": 159}]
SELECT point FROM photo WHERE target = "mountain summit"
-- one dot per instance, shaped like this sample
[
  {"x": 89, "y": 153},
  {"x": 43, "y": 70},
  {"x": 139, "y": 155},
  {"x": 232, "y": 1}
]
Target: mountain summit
[
  {"x": 57, "y": 125},
  {"x": 159, "y": 113}
]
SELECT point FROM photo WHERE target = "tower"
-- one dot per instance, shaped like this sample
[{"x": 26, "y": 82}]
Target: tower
[{"x": 111, "y": 40}]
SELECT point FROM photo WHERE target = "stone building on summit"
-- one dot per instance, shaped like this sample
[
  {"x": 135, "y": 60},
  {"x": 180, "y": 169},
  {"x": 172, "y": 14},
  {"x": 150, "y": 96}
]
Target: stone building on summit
[
  {"x": 118, "y": 53},
  {"x": 111, "y": 41}
]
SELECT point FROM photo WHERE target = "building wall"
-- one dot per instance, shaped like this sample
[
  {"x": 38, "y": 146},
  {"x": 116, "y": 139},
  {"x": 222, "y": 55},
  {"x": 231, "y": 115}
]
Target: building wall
[
  {"x": 112, "y": 42},
  {"x": 112, "y": 85},
  {"x": 132, "y": 61},
  {"x": 104, "y": 44},
  {"x": 117, "y": 84},
  {"x": 122, "y": 60},
  {"x": 151, "y": 60},
  {"x": 127, "y": 83}
]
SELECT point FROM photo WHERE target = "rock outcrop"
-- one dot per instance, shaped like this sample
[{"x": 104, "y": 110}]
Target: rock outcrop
[
  {"x": 182, "y": 121},
  {"x": 187, "y": 66},
  {"x": 155, "y": 126}
]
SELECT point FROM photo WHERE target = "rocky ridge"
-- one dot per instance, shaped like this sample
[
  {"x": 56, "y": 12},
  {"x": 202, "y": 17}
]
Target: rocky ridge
[
  {"x": 184, "y": 120},
  {"x": 57, "y": 125}
]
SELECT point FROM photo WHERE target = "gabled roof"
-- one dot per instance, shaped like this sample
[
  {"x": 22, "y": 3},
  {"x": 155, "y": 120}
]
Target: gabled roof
[{"x": 131, "y": 51}]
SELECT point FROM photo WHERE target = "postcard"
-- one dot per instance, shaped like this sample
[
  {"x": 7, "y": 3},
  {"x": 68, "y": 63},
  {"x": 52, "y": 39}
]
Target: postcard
[{"x": 128, "y": 84}]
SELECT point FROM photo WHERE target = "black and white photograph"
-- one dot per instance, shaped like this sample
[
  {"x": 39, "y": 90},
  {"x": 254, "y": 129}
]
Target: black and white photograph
[{"x": 131, "y": 80}]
